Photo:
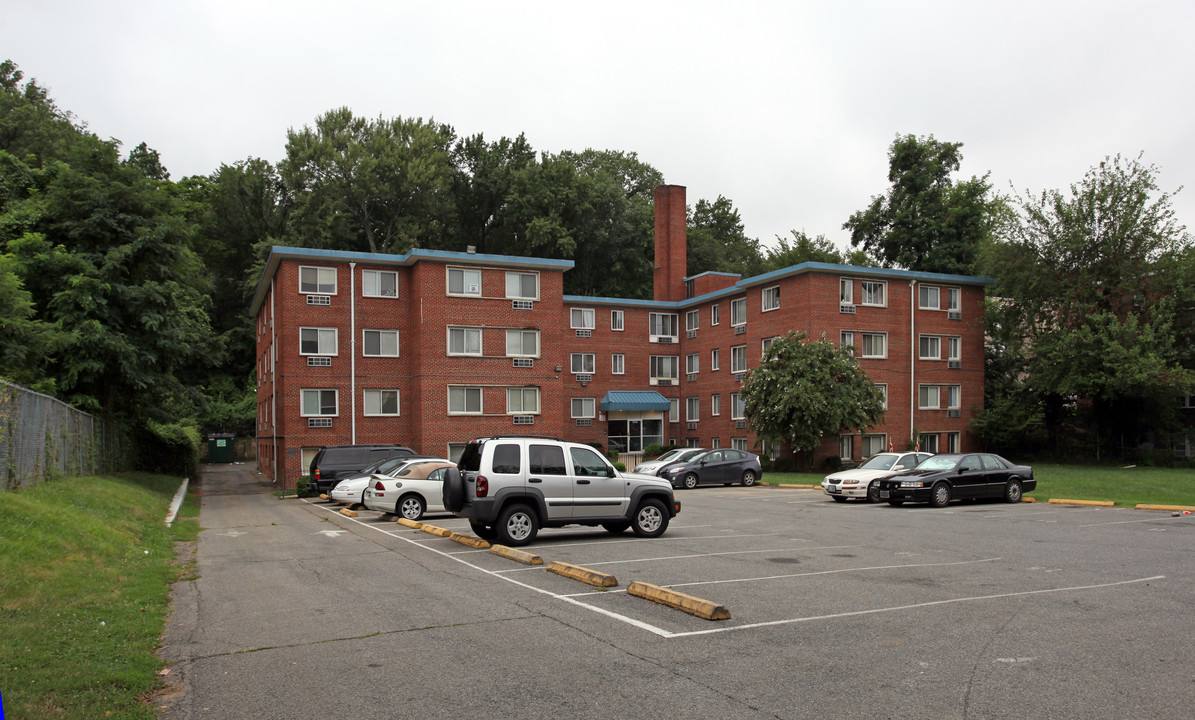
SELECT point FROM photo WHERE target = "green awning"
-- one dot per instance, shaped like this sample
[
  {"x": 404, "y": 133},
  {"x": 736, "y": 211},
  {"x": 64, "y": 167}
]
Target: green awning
[{"x": 634, "y": 400}]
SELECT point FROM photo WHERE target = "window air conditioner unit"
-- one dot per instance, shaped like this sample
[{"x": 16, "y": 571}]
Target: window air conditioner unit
[
  {"x": 953, "y": 413},
  {"x": 954, "y": 315},
  {"x": 664, "y": 339},
  {"x": 521, "y": 305},
  {"x": 740, "y": 329},
  {"x": 319, "y": 300},
  {"x": 691, "y": 334},
  {"x": 954, "y": 364},
  {"x": 584, "y": 333},
  {"x": 847, "y": 309},
  {"x": 692, "y": 426}
]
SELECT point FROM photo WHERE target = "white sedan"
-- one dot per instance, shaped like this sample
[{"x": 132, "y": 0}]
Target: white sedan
[
  {"x": 861, "y": 483},
  {"x": 417, "y": 488},
  {"x": 651, "y": 467}
]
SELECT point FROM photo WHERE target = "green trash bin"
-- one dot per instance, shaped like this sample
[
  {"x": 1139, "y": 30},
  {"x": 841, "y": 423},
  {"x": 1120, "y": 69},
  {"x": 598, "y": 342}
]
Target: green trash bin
[{"x": 221, "y": 447}]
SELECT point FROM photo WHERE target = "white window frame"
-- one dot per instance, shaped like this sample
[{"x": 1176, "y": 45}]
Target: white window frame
[
  {"x": 465, "y": 333},
  {"x": 738, "y": 312},
  {"x": 581, "y": 318},
  {"x": 883, "y": 387},
  {"x": 863, "y": 349},
  {"x": 928, "y": 442},
  {"x": 618, "y": 364},
  {"x": 738, "y": 359},
  {"x": 673, "y": 410},
  {"x": 715, "y": 360},
  {"x": 738, "y": 443},
  {"x": 618, "y": 320},
  {"x": 583, "y": 408},
  {"x": 954, "y": 395},
  {"x": 738, "y": 408},
  {"x": 870, "y": 289},
  {"x": 518, "y": 277},
  {"x": 770, "y": 298},
  {"x": 870, "y": 447},
  {"x": 847, "y": 339},
  {"x": 846, "y": 446},
  {"x": 321, "y": 282},
  {"x": 692, "y": 363},
  {"x": 954, "y": 346},
  {"x": 468, "y": 289},
  {"x": 715, "y": 404},
  {"x": 659, "y": 325},
  {"x": 660, "y": 362},
  {"x": 953, "y": 297},
  {"x": 465, "y": 393},
  {"x": 929, "y": 347},
  {"x": 381, "y": 334},
  {"x": 692, "y": 320},
  {"x": 521, "y": 394},
  {"x": 846, "y": 291},
  {"x": 765, "y": 344},
  {"x": 929, "y": 297},
  {"x": 953, "y": 442},
  {"x": 582, "y": 363},
  {"x": 322, "y": 334},
  {"x": 374, "y": 278},
  {"x": 715, "y": 314},
  {"x": 305, "y": 393},
  {"x": 373, "y": 402},
  {"x": 692, "y": 409},
  {"x": 929, "y": 397},
  {"x": 520, "y": 345}
]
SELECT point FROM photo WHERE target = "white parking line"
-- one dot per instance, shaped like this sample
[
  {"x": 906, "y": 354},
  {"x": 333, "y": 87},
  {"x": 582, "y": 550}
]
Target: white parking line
[
  {"x": 695, "y": 555},
  {"x": 1125, "y": 522},
  {"x": 834, "y": 572}
]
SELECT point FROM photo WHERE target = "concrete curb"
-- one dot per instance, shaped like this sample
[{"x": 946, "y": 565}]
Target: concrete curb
[
  {"x": 585, "y": 575},
  {"x": 687, "y": 603},
  {"x": 433, "y": 530},
  {"x": 1028, "y": 499},
  {"x": 517, "y": 555},
  {"x": 469, "y": 540},
  {"x": 347, "y": 513},
  {"x": 796, "y": 487},
  {"x": 1173, "y": 508},
  {"x": 1097, "y": 503}
]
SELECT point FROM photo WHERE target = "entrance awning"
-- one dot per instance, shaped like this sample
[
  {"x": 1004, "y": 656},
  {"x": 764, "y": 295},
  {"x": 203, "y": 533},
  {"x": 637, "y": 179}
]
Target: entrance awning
[{"x": 634, "y": 400}]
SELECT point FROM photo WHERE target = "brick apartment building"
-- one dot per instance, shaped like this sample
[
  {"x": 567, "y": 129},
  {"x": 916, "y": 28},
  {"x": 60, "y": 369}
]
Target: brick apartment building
[{"x": 430, "y": 349}]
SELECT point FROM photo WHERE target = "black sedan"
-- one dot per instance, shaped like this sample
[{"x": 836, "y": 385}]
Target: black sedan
[
  {"x": 724, "y": 466},
  {"x": 943, "y": 478}
]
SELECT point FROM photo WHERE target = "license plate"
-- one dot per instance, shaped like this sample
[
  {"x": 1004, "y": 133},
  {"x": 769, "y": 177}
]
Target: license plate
[
  {"x": 884, "y": 494},
  {"x": 833, "y": 490}
]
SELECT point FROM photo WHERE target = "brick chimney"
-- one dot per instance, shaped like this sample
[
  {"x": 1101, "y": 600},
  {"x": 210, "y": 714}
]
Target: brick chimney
[{"x": 671, "y": 243}]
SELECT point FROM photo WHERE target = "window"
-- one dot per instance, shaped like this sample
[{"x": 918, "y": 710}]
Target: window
[
  {"x": 847, "y": 339},
  {"x": 931, "y": 347},
  {"x": 317, "y": 341},
  {"x": 618, "y": 364},
  {"x": 715, "y": 404},
  {"x": 662, "y": 325},
  {"x": 952, "y": 299},
  {"x": 581, "y": 318},
  {"x": 379, "y": 283},
  {"x": 738, "y": 312},
  {"x": 692, "y": 409},
  {"x": 873, "y": 444},
  {"x": 522, "y": 343},
  {"x": 522, "y": 401},
  {"x": 617, "y": 320},
  {"x": 929, "y": 298},
  {"x": 715, "y": 314},
  {"x": 321, "y": 280},
  {"x": 381, "y": 402},
  {"x": 738, "y": 359},
  {"x": 928, "y": 443},
  {"x": 318, "y": 403},
  {"x": 583, "y": 408},
  {"x": 952, "y": 348},
  {"x": 771, "y": 298},
  {"x": 582, "y": 363},
  {"x": 883, "y": 388},
  {"x": 664, "y": 366},
  {"x": 875, "y": 345},
  {"x": 952, "y": 396},
  {"x": 738, "y": 443},
  {"x": 692, "y": 363},
  {"x": 845, "y": 446},
  {"x": 692, "y": 320},
  {"x": 928, "y": 397},
  {"x": 715, "y": 362},
  {"x": 464, "y": 400},
  {"x": 464, "y": 281},
  {"x": 765, "y": 344},
  {"x": 464, "y": 341},
  {"x": 873, "y": 292},
  {"x": 846, "y": 291},
  {"x": 737, "y": 407},
  {"x": 522, "y": 285},
  {"x": 380, "y": 343},
  {"x": 715, "y": 443},
  {"x": 673, "y": 410},
  {"x": 952, "y": 442},
  {"x": 546, "y": 460}
]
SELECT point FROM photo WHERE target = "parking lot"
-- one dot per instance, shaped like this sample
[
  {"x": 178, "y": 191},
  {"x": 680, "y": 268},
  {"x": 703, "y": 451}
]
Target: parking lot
[{"x": 845, "y": 610}]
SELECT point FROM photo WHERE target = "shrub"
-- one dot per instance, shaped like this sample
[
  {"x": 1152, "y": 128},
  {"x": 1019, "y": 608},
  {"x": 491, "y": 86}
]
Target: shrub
[{"x": 832, "y": 463}]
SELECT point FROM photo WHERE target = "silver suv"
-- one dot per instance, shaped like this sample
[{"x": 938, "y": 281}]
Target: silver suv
[{"x": 510, "y": 486}]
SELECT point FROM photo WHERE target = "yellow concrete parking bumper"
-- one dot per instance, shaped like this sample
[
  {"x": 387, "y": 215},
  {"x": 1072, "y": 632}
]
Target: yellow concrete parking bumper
[
  {"x": 469, "y": 540},
  {"x": 437, "y": 531},
  {"x": 679, "y": 600},
  {"x": 585, "y": 575},
  {"x": 517, "y": 555},
  {"x": 1097, "y": 503}
]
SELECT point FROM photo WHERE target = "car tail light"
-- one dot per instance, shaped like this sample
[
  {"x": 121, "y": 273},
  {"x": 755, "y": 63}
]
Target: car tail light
[
  {"x": 317, "y": 475},
  {"x": 379, "y": 486},
  {"x": 483, "y": 486}
]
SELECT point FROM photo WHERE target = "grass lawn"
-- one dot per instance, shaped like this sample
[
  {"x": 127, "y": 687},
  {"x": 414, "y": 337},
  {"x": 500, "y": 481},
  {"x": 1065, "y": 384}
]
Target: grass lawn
[
  {"x": 85, "y": 571},
  {"x": 1124, "y": 486}
]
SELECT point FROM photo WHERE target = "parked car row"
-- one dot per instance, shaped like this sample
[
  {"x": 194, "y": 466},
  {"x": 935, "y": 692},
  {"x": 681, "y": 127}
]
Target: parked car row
[
  {"x": 690, "y": 467},
  {"x": 897, "y": 478}
]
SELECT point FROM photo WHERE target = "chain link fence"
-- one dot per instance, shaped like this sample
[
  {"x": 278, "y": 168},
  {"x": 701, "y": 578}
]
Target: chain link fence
[{"x": 41, "y": 437}]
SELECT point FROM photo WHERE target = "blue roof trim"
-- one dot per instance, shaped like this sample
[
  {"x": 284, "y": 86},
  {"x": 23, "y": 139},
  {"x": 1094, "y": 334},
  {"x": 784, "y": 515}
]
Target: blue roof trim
[{"x": 634, "y": 400}]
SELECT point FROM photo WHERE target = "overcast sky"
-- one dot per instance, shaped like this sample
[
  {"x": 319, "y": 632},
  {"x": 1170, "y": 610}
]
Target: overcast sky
[{"x": 787, "y": 108}]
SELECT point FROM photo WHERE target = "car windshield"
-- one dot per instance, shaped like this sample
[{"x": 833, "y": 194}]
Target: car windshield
[
  {"x": 670, "y": 455},
  {"x": 690, "y": 455},
  {"x": 879, "y": 462},
  {"x": 939, "y": 462}
]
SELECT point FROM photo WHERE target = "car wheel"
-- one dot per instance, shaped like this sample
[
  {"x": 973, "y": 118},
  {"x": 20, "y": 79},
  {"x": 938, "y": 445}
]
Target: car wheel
[
  {"x": 453, "y": 493},
  {"x": 651, "y": 519},
  {"x": 837, "y": 498},
  {"x": 1012, "y": 491},
  {"x": 517, "y": 525},
  {"x": 690, "y": 481},
  {"x": 873, "y": 491},
  {"x": 616, "y": 528},
  {"x": 410, "y": 506},
  {"x": 748, "y": 478},
  {"x": 896, "y": 503},
  {"x": 483, "y": 531},
  {"x": 939, "y": 496}
]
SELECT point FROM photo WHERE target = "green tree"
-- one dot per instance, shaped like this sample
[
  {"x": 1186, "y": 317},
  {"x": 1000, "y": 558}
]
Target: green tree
[
  {"x": 1093, "y": 281},
  {"x": 927, "y": 221},
  {"x": 717, "y": 241},
  {"x": 804, "y": 249},
  {"x": 805, "y": 390},
  {"x": 483, "y": 181}
]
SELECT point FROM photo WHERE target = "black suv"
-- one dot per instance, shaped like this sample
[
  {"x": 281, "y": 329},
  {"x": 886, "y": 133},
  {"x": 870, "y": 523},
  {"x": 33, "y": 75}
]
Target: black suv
[
  {"x": 509, "y": 487},
  {"x": 334, "y": 462}
]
